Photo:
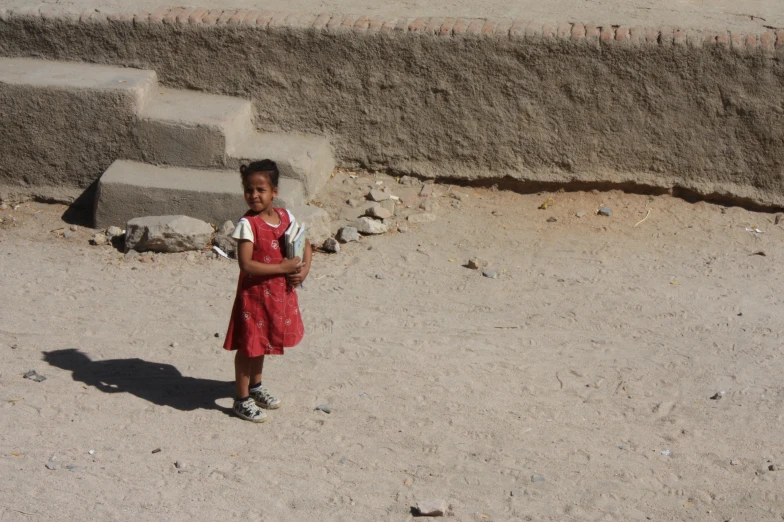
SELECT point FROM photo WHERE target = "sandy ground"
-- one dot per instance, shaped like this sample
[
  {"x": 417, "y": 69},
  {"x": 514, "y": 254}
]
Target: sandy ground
[
  {"x": 589, "y": 362},
  {"x": 748, "y": 15}
]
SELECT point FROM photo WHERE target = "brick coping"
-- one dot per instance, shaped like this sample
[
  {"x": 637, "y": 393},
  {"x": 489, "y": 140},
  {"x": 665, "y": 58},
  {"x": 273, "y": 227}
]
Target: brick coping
[{"x": 767, "y": 41}]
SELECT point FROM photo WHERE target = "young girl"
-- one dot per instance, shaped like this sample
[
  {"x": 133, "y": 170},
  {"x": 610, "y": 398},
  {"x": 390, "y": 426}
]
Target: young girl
[{"x": 265, "y": 318}]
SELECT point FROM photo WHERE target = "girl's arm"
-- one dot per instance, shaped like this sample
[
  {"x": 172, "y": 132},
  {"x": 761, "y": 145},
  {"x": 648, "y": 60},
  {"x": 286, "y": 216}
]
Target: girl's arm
[
  {"x": 249, "y": 266},
  {"x": 298, "y": 277}
]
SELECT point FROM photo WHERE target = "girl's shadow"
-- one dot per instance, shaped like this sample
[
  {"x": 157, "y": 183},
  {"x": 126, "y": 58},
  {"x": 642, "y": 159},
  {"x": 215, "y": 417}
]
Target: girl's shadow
[{"x": 160, "y": 384}]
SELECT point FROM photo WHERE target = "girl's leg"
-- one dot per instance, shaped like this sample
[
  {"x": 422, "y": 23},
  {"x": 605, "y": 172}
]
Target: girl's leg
[
  {"x": 255, "y": 367},
  {"x": 242, "y": 374}
]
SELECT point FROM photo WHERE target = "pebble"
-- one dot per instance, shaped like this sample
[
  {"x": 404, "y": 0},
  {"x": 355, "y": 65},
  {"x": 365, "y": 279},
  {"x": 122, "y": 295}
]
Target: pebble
[
  {"x": 131, "y": 254},
  {"x": 99, "y": 239},
  {"x": 460, "y": 196},
  {"x": 68, "y": 234},
  {"x": 378, "y": 212},
  {"x": 331, "y": 245},
  {"x": 779, "y": 218},
  {"x": 551, "y": 219},
  {"x": 580, "y": 214},
  {"x": 774, "y": 467},
  {"x": 113, "y": 232},
  {"x": 191, "y": 257},
  {"x": 718, "y": 395},
  {"x": 175, "y": 344},
  {"x": 427, "y": 190},
  {"x": 432, "y": 508},
  {"x": 74, "y": 228},
  {"x": 51, "y": 465},
  {"x": 497, "y": 213},
  {"x": 734, "y": 462},
  {"x": 353, "y": 203},
  {"x": 71, "y": 467},
  {"x": 366, "y": 225},
  {"x": 377, "y": 195},
  {"x": 146, "y": 259},
  {"x": 3, "y": 206},
  {"x": 605, "y": 211},
  {"x": 456, "y": 204},
  {"x": 324, "y": 408},
  {"x": 424, "y": 217},
  {"x": 475, "y": 263},
  {"x": 537, "y": 478},
  {"x": 402, "y": 228},
  {"x": 179, "y": 464},
  {"x": 380, "y": 276},
  {"x": 490, "y": 274},
  {"x": 156, "y": 450},
  {"x": 91, "y": 452},
  {"x": 408, "y": 180},
  {"x": 33, "y": 376},
  {"x": 217, "y": 335},
  {"x": 348, "y": 234}
]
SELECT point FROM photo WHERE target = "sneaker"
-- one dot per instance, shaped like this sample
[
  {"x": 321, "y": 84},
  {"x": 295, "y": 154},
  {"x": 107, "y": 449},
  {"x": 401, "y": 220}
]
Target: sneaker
[
  {"x": 248, "y": 410},
  {"x": 264, "y": 399}
]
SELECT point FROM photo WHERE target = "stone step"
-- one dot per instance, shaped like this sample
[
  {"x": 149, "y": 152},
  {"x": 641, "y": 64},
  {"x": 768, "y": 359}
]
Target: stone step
[{"x": 129, "y": 189}]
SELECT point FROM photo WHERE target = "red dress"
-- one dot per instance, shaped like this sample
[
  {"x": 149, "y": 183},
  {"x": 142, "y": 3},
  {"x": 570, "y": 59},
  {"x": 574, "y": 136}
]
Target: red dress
[{"x": 265, "y": 318}]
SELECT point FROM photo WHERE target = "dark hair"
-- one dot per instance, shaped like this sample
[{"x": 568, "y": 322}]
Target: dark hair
[{"x": 266, "y": 166}]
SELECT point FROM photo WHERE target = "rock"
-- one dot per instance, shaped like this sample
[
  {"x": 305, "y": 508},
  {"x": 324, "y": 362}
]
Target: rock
[
  {"x": 175, "y": 344},
  {"x": 580, "y": 214},
  {"x": 717, "y": 396},
  {"x": 489, "y": 273},
  {"x": 734, "y": 462},
  {"x": 353, "y": 203},
  {"x": 226, "y": 243},
  {"x": 68, "y": 234},
  {"x": 407, "y": 196},
  {"x": 3, "y": 206},
  {"x": 227, "y": 228},
  {"x": 217, "y": 335},
  {"x": 408, "y": 180},
  {"x": 551, "y": 219},
  {"x": 475, "y": 263},
  {"x": 74, "y": 469},
  {"x": 348, "y": 234},
  {"x": 179, "y": 464},
  {"x": 497, "y": 213},
  {"x": 427, "y": 190},
  {"x": 378, "y": 212},
  {"x": 331, "y": 245},
  {"x": 99, "y": 240},
  {"x": 191, "y": 257},
  {"x": 167, "y": 234},
  {"x": 113, "y": 232},
  {"x": 402, "y": 228},
  {"x": 429, "y": 205},
  {"x": 424, "y": 217},
  {"x": 432, "y": 508},
  {"x": 51, "y": 465},
  {"x": 605, "y": 211},
  {"x": 380, "y": 276},
  {"x": 74, "y": 228},
  {"x": 131, "y": 254},
  {"x": 779, "y": 218},
  {"x": 389, "y": 205},
  {"x": 316, "y": 220},
  {"x": 324, "y": 408},
  {"x": 33, "y": 376},
  {"x": 537, "y": 478},
  {"x": 456, "y": 204},
  {"x": 377, "y": 195},
  {"x": 366, "y": 225},
  {"x": 460, "y": 196},
  {"x": 146, "y": 259},
  {"x": 774, "y": 467}
]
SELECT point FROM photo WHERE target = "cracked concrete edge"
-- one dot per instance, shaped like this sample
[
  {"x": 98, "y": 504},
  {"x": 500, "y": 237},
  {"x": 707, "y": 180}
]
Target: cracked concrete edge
[{"x": 443, "y": 27}]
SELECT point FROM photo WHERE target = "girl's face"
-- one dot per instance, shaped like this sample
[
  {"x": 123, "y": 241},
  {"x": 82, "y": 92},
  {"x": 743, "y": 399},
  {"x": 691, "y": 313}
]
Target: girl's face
[{"x": 259, "y": 192}]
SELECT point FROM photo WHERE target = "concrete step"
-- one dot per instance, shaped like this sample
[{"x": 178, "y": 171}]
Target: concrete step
[
  {"x": 129, "y": 189},
  {"x": 191, "y": 129}
]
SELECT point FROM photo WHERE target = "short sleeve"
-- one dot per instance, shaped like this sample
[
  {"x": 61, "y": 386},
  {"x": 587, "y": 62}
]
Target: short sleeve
[
  {"x": 243, "y": 231},
  {"x": 291, "y": 216}
]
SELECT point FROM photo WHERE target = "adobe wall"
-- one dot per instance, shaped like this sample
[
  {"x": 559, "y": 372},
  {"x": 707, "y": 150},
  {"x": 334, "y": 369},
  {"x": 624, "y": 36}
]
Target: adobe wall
[{"x": 475, "y": 100}]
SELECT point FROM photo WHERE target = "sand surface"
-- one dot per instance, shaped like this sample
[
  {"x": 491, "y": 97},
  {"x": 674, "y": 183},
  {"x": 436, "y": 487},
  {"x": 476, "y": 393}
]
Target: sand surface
[
  {"x": 748, "y": 15},
  {"x": 595, "y": 351}
]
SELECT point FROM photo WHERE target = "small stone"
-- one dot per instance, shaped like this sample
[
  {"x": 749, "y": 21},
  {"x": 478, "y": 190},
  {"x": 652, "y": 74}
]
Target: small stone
[
  {"x": 91, "y": 452},
  {"x": 366, "y": 225},
  {"x": 551, "y": 219},
  {"x": 624, "y": 447},
  {"x": 324, "y": 408},
  {"x": 378, "y": 212},
  {"x": 331, "y": 245},
  {"x": 33, "y": 376},
  {"x": 211, "y": 255},
  {"x": 380, "y": 276},
  {"x": 3, "y": 206},
  {"x": 734, "y": 462},
  {"x": 146, "y": 259},
  {"x": 74, "y": 228},
  {"x": 217, "y": 335},
  {"x": 489, "y": 273},
  {"x": 779, "y": 218},
  {"x": 167, "y": 234},
  {"x": 175, "y": 344},
  {"x": 605, "y": 211},
  {"x": 497, "y": 213},
  {"x": 580, "y": 214},
  {"x": 51, "y": 465},
  {"x": 537, "y": 478},
  {"x": 432, "y": 508},
  {"x": 131, "y": 254},
  {"x": 717, "y": 396},
  {"x": 99, "y": 240},
  {"x": 191, "y": 257},
  {"x": 113, "y": 232},
  {"x": 428, "y": 205},
  {"x": 389, "y": 205},
  {"x": 377, "y": 195},
  {"x": 68, "y": 234},
  {"x": 353, "y": 203},
  {"x": 348, "y": 234},
  {"x": 424, "y": 217},
  {"x": 156, "y": 450},
  {"x": 408, "y": 180},
  {"x": 456, "y": 204},
  {"x": 179, "y": 464},
  {"x": 72, "y": 468},
  {"x": 460, "y": 196},
  {"x": 475, "y": 263},
  {"x": 426, "y": 190},
  {"x": 402, "y": 228}
]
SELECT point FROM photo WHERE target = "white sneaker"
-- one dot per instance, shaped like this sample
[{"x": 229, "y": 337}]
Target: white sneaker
[
  {"x": 264, "y": 399},
  {"x": 248, "y": 410}
]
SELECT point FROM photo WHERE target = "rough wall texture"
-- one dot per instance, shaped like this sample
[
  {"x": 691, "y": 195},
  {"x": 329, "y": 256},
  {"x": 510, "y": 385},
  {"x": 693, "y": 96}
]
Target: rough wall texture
[{"x": 471, "y": 99}]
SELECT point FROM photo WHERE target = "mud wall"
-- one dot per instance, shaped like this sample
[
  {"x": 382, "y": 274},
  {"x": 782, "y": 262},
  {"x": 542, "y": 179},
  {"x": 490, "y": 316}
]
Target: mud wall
[{"x": 574, "y": 104}]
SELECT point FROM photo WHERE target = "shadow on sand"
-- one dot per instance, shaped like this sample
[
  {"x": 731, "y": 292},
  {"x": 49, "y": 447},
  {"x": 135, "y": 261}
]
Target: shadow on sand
[{"x": 160, "y": 384}]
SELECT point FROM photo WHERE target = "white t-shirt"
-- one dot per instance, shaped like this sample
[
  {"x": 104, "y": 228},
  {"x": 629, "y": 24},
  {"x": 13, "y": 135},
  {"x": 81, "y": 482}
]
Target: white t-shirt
[{"x": 245, "y": 231}]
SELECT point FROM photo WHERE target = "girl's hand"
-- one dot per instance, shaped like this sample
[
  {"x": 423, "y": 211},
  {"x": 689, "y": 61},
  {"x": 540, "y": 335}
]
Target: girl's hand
[
  {"x": 290, "y": 266},
  {"x": 294, "y": 280}
]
